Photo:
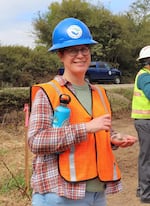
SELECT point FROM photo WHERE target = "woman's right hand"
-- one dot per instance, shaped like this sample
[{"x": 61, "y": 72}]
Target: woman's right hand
[{"x": 99, "y": 123}]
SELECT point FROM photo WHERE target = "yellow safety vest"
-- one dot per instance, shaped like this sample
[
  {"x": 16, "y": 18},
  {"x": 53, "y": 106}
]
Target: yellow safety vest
[
  {"x": 140, "y": 103},
  {"x": 93, "y": 157}
]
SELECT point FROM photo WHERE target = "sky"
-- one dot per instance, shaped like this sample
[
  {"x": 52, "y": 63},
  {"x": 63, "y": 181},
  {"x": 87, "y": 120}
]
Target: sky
[{"x": 16, "y": 18}]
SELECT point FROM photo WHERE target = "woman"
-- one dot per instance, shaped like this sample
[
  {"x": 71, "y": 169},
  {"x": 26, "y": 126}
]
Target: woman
[{"x": 74, "y": 164}]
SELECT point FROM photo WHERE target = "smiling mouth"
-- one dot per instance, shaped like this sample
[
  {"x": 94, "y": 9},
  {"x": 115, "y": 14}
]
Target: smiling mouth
[{"x": 80, "y": 63}]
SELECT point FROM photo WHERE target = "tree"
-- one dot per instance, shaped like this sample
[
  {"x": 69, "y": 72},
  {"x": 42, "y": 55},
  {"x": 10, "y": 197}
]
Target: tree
[
  {"x": 140, "y": 11},
  {"x": 100, "y": 21},
  {"x": 45, "y": 23},
  {"x": 140, "y": 15},
  {"x": 21, "y": 66}
]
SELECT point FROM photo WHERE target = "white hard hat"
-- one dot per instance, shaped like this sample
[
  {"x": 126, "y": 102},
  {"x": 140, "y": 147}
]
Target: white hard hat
[{"x": 144, "y": 53}]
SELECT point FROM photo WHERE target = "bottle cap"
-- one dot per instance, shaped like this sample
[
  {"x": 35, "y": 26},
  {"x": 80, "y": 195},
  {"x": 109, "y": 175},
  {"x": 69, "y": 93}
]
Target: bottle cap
[{"x": 64, "y": 98}]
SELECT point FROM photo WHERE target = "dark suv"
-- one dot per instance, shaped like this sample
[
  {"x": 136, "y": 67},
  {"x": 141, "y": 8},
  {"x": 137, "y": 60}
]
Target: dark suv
[
  {"x": 103, "y": 72},
  {"x": 100, "y": 72}
]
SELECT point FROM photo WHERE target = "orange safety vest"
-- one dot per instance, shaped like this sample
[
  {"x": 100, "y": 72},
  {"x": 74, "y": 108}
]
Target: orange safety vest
[{"x": 93, "y": 157}]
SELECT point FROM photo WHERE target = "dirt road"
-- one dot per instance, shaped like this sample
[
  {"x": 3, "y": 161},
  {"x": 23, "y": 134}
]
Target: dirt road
[
  {"x": 127, "y": 160},
  {"x": 107, "y": 86}
]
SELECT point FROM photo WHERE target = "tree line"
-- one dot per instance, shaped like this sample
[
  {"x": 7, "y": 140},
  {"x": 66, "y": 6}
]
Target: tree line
[{"x": 120, "y": 37}]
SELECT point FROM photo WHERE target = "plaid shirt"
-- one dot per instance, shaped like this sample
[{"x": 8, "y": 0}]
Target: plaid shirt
[{"x": 45, "y": 142}]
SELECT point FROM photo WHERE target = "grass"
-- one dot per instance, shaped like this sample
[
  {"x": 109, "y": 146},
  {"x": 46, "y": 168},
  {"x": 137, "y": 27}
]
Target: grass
[
  {"x": 12, "y": 183},
  {"x": 120, "y": 100},
  {"x": 3, "y": 152}
]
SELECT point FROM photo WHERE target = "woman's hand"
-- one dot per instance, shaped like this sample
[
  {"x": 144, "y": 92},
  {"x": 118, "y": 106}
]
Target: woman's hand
[
  {"x": 123, "y": 140},
  {"x": 99, "y": 123}
]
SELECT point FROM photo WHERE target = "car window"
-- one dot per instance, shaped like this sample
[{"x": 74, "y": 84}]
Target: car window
[
  {"x": 102, "y": 65},
  {"x": 107, "y": 66},
  {"x": 92, "y": 66}
]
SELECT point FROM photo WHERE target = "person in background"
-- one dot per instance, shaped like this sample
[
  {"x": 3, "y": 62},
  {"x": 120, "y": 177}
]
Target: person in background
[
  {"x": 73, "y": 164},
  {"x": 141, "y": 115}
]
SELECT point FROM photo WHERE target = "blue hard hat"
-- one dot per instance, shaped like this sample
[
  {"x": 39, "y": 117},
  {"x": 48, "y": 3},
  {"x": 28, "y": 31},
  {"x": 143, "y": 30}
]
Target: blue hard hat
[{"x": 70, "y": 32}]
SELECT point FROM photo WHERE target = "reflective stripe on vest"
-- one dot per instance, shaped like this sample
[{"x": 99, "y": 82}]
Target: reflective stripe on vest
[
  {"x": 137, "y": 93},
  {"x": 72, "y": 163},
  {"x": 93, "y": 157},
  {"x": 140, "y": 111}
]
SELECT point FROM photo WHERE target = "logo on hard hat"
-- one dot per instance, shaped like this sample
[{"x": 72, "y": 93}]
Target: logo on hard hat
[{"x": 74, "y": 31}]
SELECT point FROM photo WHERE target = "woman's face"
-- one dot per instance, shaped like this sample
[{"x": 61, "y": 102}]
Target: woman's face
[{"x": 76, "y": 59}]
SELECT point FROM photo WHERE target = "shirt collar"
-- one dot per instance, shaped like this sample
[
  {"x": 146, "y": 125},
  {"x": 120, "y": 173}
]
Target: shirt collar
[{"x": 62, "y": 81}]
